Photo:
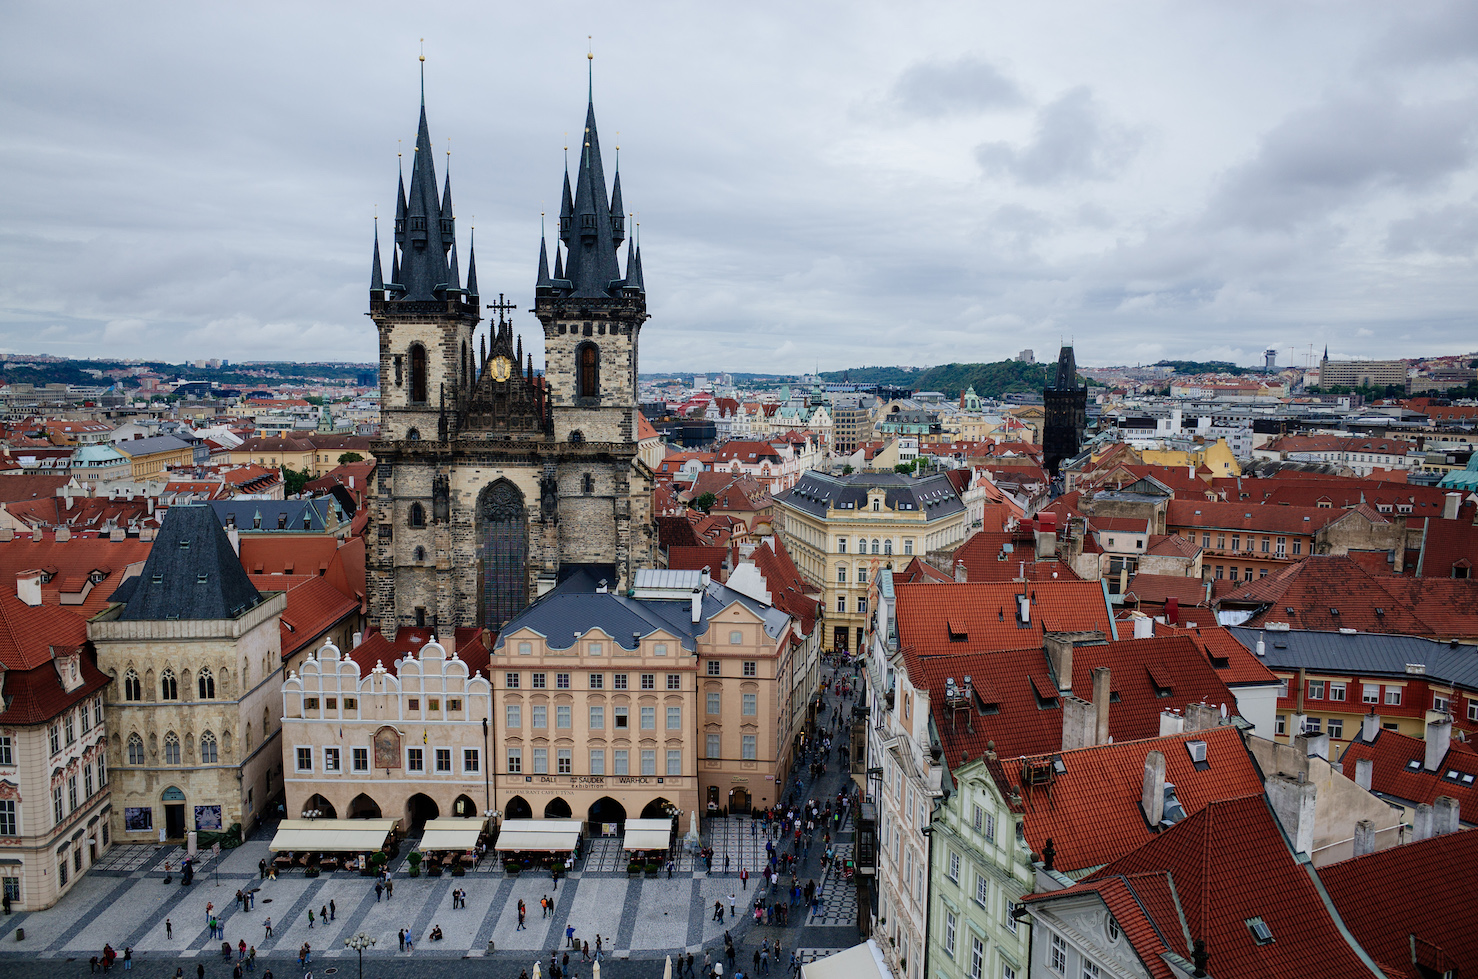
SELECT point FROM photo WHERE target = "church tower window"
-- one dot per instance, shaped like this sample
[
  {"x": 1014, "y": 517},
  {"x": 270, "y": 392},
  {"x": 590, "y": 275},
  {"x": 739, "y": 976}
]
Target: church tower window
[
  {"x": 418, "y": 515},
  {"x": 589, "y": 361},
  {"x": 418, "y": 374}
]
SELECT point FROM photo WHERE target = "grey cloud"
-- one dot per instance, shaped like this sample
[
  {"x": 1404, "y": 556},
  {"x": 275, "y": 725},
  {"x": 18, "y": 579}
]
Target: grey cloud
[
  {"x": 1323, "y": 157},
  {"x": 940, "y": 88},
  {"x": 1073, "y": 140},
  {"x": 1450, "y": 230},
  {"x": 1430, "y": 32}
]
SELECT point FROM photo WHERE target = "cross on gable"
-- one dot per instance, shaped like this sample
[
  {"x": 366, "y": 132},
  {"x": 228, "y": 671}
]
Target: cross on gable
[{"x": 503, "y": 306}]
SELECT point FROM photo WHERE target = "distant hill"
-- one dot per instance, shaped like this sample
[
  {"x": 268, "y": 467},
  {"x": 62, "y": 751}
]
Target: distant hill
[
  {"x": 1208, "y": 367},
  {"x": 951, "y": 380}
]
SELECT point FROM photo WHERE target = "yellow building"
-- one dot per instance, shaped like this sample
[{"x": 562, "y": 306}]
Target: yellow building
[
  {"x": 149, "y": 456},
  {"x": 1216, "y": 457},
  {"x": 314, "y": 452},
  {"x": 841, "y": 529}
]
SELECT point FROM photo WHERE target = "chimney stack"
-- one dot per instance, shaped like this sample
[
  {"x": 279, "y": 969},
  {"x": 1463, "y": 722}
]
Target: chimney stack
[
  {"x": 1313, "y": 745},
  {"x": 1144, "y": 627},
  {"x": 1439, "y": 739},
  {"x": 1101, "y": 697},
  {"x": 1422, "y": 823},
  {"x": 356, "y": 640},
  {"x": 1152, "y": 796},
  {"x": 1450, "y": 505},
  {"x": 1444, "y": 815},
  {"x": 1364, "y": 837},
  {"x": 960, "y": 572},
  {"x": 1170, "y": 723},
  {"x": 1060, "y": 655},
  {"x": 1369, "y": 727},
  {"x": 697, "y": 605},
  {"x": 1201, "y": 717},
  {"x": 1077, "y": 723},
  {"x": 1293, "y": 803},
  {"x": 1364, "y": 769}
]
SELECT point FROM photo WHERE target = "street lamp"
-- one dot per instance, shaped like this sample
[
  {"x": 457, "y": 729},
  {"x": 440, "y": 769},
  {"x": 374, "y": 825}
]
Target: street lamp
[
  {"x": 359, "y": 943},
  {"x": 312, "y": 813}
]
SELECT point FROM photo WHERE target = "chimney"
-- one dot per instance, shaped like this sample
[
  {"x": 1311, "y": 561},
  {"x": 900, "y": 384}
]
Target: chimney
[
  {"x": 1046, "y": 544},
  {"x": 234, "y": 536},
  {"x": 697, "y": 605},
  {"x": 1172, "y": 610},
  {"x": 1077, "y": 723},
  {"x": 1292, "y": 800},
  {"x": 1450, "y": 504},
  {"x": 1144, "y": 627},
  {"x": 36, "y": 534},
  {"x": 1024, "y": 604},
  {"x": 1060, "y": 656},
  {"x": 1422, "y": 823},
  {"x": 1364, "y": 769},
  {"x": 936, "y": 769},
  {"x": 28, "y": 587},
  {"x": 1444, "y": 815},
  {"x": 960, "y": 572},
  {"x": 1152, "y": 796},
  {"x": 1313, "y": 745},
  {"x": 1369, "y": 727},
  {"x": 1439, "y": 739},
  {"x": 1170, "y": 723},
  {"x": 356, "y": 640},
  {"x": 1201, "y": 717},
  {"x": 1364, "y": 837},
  {"x": 63, "y": 533},
  {"x": 1101, "y": 697}
]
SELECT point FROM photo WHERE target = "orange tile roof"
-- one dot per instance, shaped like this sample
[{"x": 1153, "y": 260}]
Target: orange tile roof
[
  {"x": 1391, "y": 896},
  {"x": 1392, "y": 774},
  {"x": 1091, "y": 811},
  {"x": 28, "y": 633},
  {"x": 70, "y": 563},
  {"x": 982, "y": 554},
  {"x": 789, "y": 592},
  {"x": 313, "y": 607},
  {"x": 986, "y": 612}
]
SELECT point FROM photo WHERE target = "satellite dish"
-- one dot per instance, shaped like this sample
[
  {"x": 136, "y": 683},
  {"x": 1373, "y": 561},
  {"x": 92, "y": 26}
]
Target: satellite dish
[{"x": 1223, "y": 711}]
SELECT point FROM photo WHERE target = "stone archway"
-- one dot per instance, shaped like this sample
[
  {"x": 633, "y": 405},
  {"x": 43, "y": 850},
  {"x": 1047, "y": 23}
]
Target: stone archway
[
  {"x": 606, "y": 810},
  {"x": 738, "y": 799},
  {"x": 363, "y": 807},
  {"x": 557, "y": 808},
  {"x": 419, "y": 810},
  {"x": 317, "y": 803},
  {"x": 518, "y": 808},
  {"x": 658, "y": 808},
  {"x": 463, "y": 807}
]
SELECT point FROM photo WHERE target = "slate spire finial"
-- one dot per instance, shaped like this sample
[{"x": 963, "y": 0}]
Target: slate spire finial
[
  {"x": 377, "y": 279},
  {"x": 590, "y": 67},
  {"x": 423, "y": 73},
  {"x": 472, "y": 262}
]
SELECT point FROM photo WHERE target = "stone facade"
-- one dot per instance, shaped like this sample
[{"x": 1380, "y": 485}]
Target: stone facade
[{"x": 226, "y": 680}]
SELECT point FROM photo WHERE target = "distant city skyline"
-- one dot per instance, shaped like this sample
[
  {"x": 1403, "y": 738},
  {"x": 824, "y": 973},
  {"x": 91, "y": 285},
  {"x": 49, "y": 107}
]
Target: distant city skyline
[{"x": 925, "y": 185}]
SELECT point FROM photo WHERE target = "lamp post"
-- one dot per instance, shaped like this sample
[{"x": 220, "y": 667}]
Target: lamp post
[
  {"x": 359, "y": 943},
  {"x": 312, "y": 813}
]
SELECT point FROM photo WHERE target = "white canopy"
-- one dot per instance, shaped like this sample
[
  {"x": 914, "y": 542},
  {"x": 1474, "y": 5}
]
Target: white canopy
[
  {"x": 648, "y": 834},
  {"x": 538, "y": 834},
  {"x": 863, "y": 961},
  {"x": 332, "y": 835},
  {"x": 452, "y": 833}
]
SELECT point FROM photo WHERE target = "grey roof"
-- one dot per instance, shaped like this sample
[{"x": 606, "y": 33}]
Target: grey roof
[
  {"x": 933, "y": 495},
  {"x": 154, "y": 443},
  {"x": 192, "y": 572},
  {"x": 1365, "y": 653},
  {"x": 424, "y": 228},
  {"x": 564, "y": 614},
  {"x": 591, "y": 268},
  {"x": 1067, "y": 371},
  {"x": 289, "y": 513}
]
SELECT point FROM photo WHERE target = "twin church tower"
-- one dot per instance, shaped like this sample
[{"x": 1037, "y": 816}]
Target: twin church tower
[{"x": 493, "y": 482}]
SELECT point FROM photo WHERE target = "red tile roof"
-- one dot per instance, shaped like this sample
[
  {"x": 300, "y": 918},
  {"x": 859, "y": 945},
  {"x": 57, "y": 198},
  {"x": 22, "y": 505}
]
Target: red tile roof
[
  {"x": 919, "y": 571},
  {"x": 986, "y": 558},
  {"x": 313, "y": 607},
  {"x": 1391, "y": 755},
  {"x": 28, "y": 633},
  {"x": 986, "y": 614},
  {"x": 1231, "y": 862},
  {"x": 1247, "y": 516},
  {"x": 1154, "y": 589},
  {"x": 472, "y": 647},
  {"x": 789, "y": 592},
  {"x": 35, "y": 696},
  {"x": 1448, "y": 546},
  {"x": 1234, "y": 663},
  {"x": 14, "y": 488},
  {"x": 699, "y": 558},
  {"x": 1091, "y": 811},
  {"x": 1022, "y": 722},
  {"x": 1172, "y": 545},
  {"x": 71, "y": 563},
  {"x": 1391, "y": 896}
]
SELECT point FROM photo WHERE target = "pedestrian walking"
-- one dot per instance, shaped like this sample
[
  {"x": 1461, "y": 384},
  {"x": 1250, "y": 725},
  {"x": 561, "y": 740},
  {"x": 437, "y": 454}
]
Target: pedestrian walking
[
  {"x": 379, "y": 889},
  {"x": 731, "y": 905},
  {"x": 598, "y": 946},
  {"x": 690, "y": 963},
  {"x": 168, "y": 929},
  {"x": 402, "y": 939},
  {"x": 268, "y": 925},
  {"x": 323, "y": 915},
  {"x": 569, "y": 936},
  {"x": 333, "y": 910},
  {"x": 389, "y": 888},
  {"x": 310, "y": 917},
  {"x": 521, "y": 926}
]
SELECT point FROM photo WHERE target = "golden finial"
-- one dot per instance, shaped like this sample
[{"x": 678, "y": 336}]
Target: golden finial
[
  {"x": 398, "y": 148},
  {"x": 423, "y": 49},
  {"x": 590, "y": 41}
]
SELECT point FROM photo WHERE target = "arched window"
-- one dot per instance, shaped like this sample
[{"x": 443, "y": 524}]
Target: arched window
[
  {"x": 418, "y": 374},
  {"x": 168, "y": 688},
  {"x": 418, "y": 515},
  {"x": 874, "y": 546},
  {"x": 132, "y": 688},
  {"x": 588, "y": 358},
  {"x": 171, "y": 749},
  {"x": 887, "y": 547},
  {"x": 208, "y": 753},
  {"x": 135, "y": 750},
  {"x": 206, "y": 684},
  {"x": 414, "y": 435},
  {"x": 420, "y": 555}
]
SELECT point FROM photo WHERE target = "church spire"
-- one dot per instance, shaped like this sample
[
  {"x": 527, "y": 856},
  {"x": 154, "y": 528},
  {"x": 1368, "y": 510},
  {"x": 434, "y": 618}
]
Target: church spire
[
  {"x": 591, "y": 266},
  {"x": 377, "y": 280},
  {"x": 472, "y": 263},
  {"x": 566, "y": 206},
  {"x": 428, "y": 231},
  {"x": 618, "y": 216},
  {"x": 559, "y": 269},
  {"x": 543, "y": 280}
]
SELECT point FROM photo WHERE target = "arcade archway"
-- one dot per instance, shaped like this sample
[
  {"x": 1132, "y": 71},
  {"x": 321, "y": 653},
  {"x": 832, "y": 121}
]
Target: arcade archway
[
  {"x": 325, "y": 809},
  {"x": 557, "y": 808},
  {"x": 606, "y": 810},
  {"x": 363, "y": 807},
  {"x": 464, "y": 807},
  {"x": 420, "y": 809},
  {"x": 518, "y": 808}
]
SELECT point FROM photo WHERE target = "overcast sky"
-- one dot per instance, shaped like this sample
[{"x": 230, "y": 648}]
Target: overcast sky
[{"x": 832, "y": 184}]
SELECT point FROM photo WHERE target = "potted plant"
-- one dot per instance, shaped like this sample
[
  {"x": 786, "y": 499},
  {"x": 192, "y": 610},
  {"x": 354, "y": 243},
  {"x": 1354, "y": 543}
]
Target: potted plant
[
  {"x": 511, "y": 868},
  {"x": 414, "y": 859},
  {"x": 653, "y": 869},
  {"x": 635, "y": 869},
  {"x": 458, "y": 870},
  {"x": 311, "y": 871}
]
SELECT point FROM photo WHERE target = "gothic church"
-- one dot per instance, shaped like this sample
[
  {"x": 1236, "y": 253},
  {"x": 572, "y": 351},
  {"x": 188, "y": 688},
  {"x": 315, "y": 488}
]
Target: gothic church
[{"x": 494, "y": 483}]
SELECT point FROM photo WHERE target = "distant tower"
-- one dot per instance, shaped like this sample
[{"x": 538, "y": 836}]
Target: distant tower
[
  {"x": 1270, "y": 359},
  {"x": 1067, "y": 413}
]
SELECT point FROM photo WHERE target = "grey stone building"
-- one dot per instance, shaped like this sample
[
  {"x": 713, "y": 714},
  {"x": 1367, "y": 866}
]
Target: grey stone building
[{"x": 495, "y": 483}]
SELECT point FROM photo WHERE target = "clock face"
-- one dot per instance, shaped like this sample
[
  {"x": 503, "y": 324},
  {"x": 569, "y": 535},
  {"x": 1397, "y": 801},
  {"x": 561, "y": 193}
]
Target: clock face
[{"x": 502, "y": 367}]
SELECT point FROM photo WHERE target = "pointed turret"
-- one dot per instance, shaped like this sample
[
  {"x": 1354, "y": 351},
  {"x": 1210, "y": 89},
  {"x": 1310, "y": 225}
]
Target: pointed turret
[
  {"x": 559, "y": 268},
  {"x": 591, "y": 266},
  {"x": 448, "y": 221},
  {"x": 566, "y": 207},
  {"x": 543, "y": 280},
  {"x": 472, "y": 265},
  {"x": 618, "y": 216},
  {"x": 377, "y": 280},
  {"x": 454, "y": 273},
  {"x": 400, "y": 210},
  {"x": 428, "y": 236}
]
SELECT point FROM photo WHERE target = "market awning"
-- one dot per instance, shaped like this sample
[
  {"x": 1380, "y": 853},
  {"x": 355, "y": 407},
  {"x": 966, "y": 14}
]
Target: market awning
[
  {"x": 538, "y": 834},
  {"x": 863, "y": 961},
  {"x": 452, "y": 833},
  {"x": 648, "y": 834},
  {"x": 332, "y": 835}
]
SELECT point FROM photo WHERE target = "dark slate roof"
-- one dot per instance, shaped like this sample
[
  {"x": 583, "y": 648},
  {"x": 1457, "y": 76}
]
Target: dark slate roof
[
  {"x": 147, "y": 446},
  {"x": 191, "y": 573},
  {"x": 246, "y": 511},
  {"x": 569, "y": 611},
  {"x": 1367, "y": 653},
  {"x": 814, "y": 491}
]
